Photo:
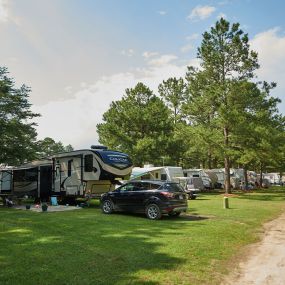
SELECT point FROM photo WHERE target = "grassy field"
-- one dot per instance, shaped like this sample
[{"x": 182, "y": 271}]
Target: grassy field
[{"x": 87, "y": 247}]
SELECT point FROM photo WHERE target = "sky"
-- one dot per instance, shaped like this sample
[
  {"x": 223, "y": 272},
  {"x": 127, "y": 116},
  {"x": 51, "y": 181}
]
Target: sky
[{"x": 80, "y": 55}]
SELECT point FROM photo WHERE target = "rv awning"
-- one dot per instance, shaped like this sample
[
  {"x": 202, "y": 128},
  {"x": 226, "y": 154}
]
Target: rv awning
[{"x": 139, "y": 172}]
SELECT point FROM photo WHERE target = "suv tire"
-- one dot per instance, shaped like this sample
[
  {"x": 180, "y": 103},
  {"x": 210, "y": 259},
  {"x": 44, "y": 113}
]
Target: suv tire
[
  {"x": 107, "y": 206},
  {"x": 153, "y": 212}
]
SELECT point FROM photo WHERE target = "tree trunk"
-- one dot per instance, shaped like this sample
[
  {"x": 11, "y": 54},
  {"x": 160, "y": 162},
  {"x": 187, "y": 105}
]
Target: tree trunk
[
  {"x": 227, "y": 175},
  {"x": 245, "y": 177},
  {"x": 261, "y": 176},
  {"x": 209, "y": 159},
  {"x": 227, "y": 162}
]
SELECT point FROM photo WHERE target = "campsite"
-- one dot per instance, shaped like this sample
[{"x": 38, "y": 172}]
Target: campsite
[
  {"x": 78, "y": 247},
  {"x": 142, "y": 142}
]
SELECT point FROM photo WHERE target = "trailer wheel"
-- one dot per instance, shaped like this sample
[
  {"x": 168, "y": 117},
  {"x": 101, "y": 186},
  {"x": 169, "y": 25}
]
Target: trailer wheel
[{"x": 107, "y": 207}]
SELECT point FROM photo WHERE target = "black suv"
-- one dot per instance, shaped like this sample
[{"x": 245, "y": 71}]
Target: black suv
[{"x": 152, "y": 197}]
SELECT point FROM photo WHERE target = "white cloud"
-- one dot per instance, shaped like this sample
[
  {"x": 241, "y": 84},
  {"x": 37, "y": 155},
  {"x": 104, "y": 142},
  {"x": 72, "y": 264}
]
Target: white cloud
[
  {"x": 270, "y": 47},
  {"x": 74, "y": 120},
  {"x": 162, "y": 60},
  {"x": 162, "y": 13},
  {"x": 148, "y": 54},
  {"x": 192, "y": 37},
  {"x": 201, "y": 12},
  {"x": 129, "y": 52},
  {"x": 68, "y": 89},
  {"x": 3, "y": 11},
  {"x": 187, "y": 48}
]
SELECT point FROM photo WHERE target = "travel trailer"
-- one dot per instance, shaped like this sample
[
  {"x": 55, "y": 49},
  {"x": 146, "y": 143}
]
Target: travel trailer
[
  {"x": 199, "y": 173},
  {"x": 157, "y": 173},
  {"x": 72, "y": 174},
  {"x": 273, "y": 178},
  {"x": 5, "y": 180},
  {"x": 220, "y": 174},
  {"x": 93, "y": 171}
]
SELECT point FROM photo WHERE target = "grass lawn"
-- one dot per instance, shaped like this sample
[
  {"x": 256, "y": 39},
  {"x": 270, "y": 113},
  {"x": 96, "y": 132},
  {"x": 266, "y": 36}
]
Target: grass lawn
[{"x": 87, "y": 247}]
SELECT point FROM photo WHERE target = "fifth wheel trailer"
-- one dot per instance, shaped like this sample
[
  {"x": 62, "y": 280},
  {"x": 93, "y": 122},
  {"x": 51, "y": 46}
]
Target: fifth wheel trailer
[{"x": 70, "y": 174}]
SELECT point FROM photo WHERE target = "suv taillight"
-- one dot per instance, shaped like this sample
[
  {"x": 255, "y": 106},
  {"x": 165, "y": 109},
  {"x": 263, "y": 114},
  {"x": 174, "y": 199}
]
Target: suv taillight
[{"x": 167, "y": 194}]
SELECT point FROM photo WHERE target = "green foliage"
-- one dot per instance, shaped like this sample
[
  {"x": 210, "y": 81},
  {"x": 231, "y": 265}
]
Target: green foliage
[
  {"x": 139, "y": 125},
  {"x": 230, "y": 115},
  {"x": 173, "y": 93},
  {"x": 48, "y": 146},
  {"x": 17, "y": 131},
  {"x": 219, "y": 116}
]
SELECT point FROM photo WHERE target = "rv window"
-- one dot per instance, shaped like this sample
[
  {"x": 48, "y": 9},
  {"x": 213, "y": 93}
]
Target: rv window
[
  {"x": 88, "y": 163},
  {"x": 163, "y": 177},
  {"x": 69, "y": 168}
]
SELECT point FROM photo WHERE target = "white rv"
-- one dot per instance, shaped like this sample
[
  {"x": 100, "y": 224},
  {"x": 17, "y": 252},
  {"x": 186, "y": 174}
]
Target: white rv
[
  {"x": 94, "y": 171},
  {"x": 274, "y": 178},
  {"x": 220, "y": 173},
  {"x": 199, "y": 173},
  {"x": 5, "y": 180},
  {"x": 70, "y": 174},
  {"x": 32, "y": 179},
  {"x": 157, "y": 173}
]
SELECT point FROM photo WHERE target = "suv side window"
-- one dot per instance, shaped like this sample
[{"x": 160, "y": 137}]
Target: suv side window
[
  {"x": 172, "y": 187},
  {"x": 153, "y": 186},
  {"x": 127, "y": 187},
  {"x": 139, "y": 186}
]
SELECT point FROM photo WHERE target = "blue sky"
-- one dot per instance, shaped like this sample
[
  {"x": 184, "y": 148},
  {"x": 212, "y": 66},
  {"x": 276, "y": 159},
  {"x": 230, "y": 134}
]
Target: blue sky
[{"x": 78, "y": 56}]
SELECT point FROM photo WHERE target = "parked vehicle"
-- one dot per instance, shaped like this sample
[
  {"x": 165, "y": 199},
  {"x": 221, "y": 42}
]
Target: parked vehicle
[
  {"x": 273, "y": 178},
  {"x": 152, "y": 197},
  {"x": 199, "y": 173},
  {"x": 220, "y": 173},
  {"x": 157, "y": 173},
  {"x": 69, "y": 174},
  {"x": 191, "y": 185}
]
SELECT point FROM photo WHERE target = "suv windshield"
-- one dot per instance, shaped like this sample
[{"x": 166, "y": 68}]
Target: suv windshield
[{"x": 172, "y": 187}]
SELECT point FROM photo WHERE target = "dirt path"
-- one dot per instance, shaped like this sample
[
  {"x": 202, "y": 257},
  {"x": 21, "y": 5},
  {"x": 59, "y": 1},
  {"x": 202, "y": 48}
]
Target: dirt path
[{"x": 265, "y": 264}]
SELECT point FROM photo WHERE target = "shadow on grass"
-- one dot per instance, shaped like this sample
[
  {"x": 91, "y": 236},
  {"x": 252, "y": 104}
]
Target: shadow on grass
[
  {"x": 263, "y": 196},
  {"x": 184, "y": 217},
  {"x": 80, "y": 248}
]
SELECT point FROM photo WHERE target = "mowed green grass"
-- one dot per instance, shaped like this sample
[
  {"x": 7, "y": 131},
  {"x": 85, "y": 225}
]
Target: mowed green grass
[{"x": 88, "y": 247}]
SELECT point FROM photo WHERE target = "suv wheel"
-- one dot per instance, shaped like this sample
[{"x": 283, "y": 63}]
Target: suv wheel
[
  {"x": 153, "y": 212},
  {"x": 107, "y": 207}
]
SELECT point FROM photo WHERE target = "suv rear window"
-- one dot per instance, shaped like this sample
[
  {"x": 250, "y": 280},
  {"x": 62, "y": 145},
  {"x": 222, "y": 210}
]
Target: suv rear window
[
  {"x": 172, "y": 187},
  {"x": 150, "y": 186}
]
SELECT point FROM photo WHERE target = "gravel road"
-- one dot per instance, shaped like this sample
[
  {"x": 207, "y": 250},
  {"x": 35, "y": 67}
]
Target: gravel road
[{"x": 265, "y": 261}]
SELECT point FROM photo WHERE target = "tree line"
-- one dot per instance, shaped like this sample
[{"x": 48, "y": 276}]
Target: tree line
[
  {"x": 18, "y": 136},
  {"x": 219, "y": 115}
]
